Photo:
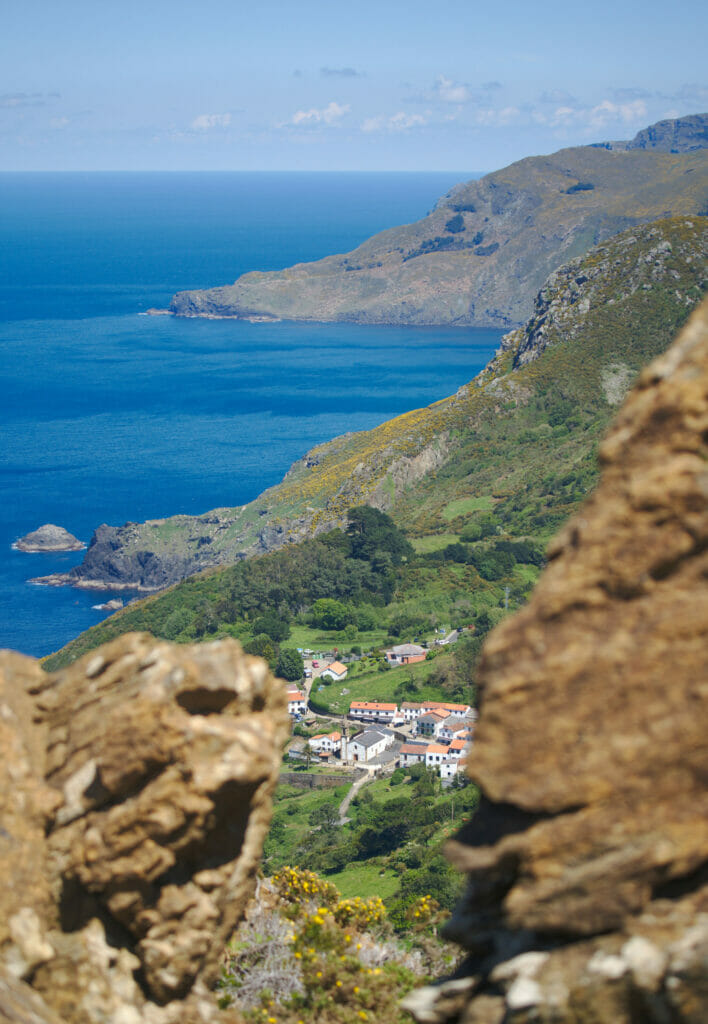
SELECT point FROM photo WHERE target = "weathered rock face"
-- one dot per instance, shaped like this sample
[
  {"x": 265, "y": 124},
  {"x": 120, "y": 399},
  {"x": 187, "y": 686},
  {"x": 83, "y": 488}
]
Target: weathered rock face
[
  {"x": 135, "y": 790},
  {"x": 49, "y": 538},
  {"x": 588, "y": 859}
]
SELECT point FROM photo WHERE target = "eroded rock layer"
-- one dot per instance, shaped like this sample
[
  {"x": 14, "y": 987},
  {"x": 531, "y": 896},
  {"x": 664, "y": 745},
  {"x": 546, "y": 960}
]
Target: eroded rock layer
[
  {"x": 588, "y": 860},
  {"x": 135, "y": 793}
]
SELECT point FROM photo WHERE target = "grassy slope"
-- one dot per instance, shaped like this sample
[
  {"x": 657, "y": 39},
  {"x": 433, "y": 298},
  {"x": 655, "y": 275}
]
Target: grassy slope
[{"x": 521, "y": 441}]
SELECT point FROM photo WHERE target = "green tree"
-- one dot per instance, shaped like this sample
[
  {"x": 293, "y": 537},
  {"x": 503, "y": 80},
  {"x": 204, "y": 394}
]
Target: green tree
[
  {"x": 263, "y": 647},
  {"x": 276, "y": 626},
  {"x": 176, "y": 622},
  {"x": 371, "y": 531},
  {"x": 289, "y": 665},
  {"x": 329, "y": 614}
]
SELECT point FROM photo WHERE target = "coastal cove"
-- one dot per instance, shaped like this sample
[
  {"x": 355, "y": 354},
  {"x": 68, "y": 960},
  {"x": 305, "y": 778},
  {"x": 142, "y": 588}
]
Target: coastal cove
[{"x": 109, "y": 416}]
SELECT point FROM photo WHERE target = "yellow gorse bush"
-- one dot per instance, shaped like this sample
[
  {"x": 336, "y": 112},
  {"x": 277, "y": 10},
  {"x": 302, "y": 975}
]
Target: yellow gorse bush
[
  {"x": 359, "y": 912},
  {"x": 298, "y": 886}
]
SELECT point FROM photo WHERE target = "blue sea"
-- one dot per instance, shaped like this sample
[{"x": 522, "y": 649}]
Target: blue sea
[{"x": 108, "y": 415}]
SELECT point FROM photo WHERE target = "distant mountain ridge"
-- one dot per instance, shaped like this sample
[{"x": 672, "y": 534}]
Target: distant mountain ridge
[
  {"x": 597, "y": 321},
  {"x": 481, "y": 255}
]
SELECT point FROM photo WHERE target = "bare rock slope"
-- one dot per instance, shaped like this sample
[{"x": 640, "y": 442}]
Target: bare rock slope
[
  {"x": 588, "y": 860},
  {"x": 135, "y": 790},
  {"x": 481, "y": 255}
]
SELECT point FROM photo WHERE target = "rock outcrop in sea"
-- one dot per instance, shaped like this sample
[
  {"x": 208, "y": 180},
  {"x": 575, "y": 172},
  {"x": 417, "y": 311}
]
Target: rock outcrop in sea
[
  {"x": 49, "y": 538},
  {"x": 587, "y": 861},
  {"x": 135, "y": 794}
]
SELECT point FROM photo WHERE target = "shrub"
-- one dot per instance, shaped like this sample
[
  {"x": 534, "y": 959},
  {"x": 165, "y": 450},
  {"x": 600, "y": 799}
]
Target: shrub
[{"x": 455, "y": 224}]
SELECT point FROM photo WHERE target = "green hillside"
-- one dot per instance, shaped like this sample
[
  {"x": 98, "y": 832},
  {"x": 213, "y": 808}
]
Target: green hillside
[{"x": 478, "y": 481}]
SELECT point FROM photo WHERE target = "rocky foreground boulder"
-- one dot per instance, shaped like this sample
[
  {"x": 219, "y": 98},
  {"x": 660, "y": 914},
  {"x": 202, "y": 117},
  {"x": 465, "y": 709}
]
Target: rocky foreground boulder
[
  {"x": 135, "y": 794},
  {"x": 588, "y": 859}
]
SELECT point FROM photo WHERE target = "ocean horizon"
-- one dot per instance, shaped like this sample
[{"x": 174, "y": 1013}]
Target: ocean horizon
[{"x": 112, "y": 416}]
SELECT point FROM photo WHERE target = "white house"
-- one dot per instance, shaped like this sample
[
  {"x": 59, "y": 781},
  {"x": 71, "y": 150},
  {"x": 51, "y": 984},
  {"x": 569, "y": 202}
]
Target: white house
[
  {"x": 369, "y": 744},
  {"x": 326, "y": 743},
  {"x": 458, "y": 748},
  {"x": 335, "y": 671},
  {"x": 435, "y": 753},
  {"x": 449, "y": 767},
  {"x": 297, "y": 702},
  {"x": 411, "y": 711},
  {"x": 412, "y": 753},
  {"x": 430, "y": 724},
  {"x": 458, "y": 710},
  {"x": 453, "y": 728},
  {"x": 373, "y": 711}
]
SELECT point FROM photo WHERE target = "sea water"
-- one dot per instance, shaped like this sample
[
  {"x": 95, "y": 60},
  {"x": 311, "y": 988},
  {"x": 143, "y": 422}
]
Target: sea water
[{"x": 108, "y": 415}]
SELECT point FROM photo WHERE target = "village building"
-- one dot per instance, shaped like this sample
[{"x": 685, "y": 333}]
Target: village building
[
  {"x": 434, "y": 754},
  {"x": 430, "y": 724},
  {"x": 410, "y": 710},
  {"x": 297, "y": 703},
  {"x": 405, "y": 654},
  {"x": 326, "y": 743},
  {"x": 373, "y": 711},
  {"x": 369, "y": 744},
  {"x": 335, "y": 671},
  {"x": 412, "y": 753},
  {"x": 457, "y": 748},
  {"x": 454, "y": 727},
  {"x": 448, "y": 768},
  {"x": 458, "y": 710}
]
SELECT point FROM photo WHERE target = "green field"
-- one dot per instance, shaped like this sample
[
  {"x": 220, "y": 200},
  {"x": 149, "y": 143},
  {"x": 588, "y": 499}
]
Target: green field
[
  {"x": 407, "y": 683},
  {"x": 433, "y": 542},
  {"x": 308, "y": 638},
  {"x": 365, "y": 880},
  {"x": 464, "y": 506}
]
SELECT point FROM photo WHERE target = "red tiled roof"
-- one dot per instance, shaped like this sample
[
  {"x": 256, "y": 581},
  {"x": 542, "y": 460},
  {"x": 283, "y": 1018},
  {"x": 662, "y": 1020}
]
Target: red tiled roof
[
  {"x": 337, "y": 667},
  {"x": 441, "y": 704},
  {"x": 458, "y": 745},
  {"x": 436, "y": 748},
  {"x": 367, "y": 705},
  {"x": 413, "y": 748}
]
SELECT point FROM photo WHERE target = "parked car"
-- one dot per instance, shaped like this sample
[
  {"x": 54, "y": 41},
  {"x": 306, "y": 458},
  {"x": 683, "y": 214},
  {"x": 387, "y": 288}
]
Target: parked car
[{"x": 315, "y": 664}]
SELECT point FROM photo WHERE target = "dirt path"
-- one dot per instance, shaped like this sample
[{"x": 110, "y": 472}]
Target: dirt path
[{"x": 344, "y": 806}]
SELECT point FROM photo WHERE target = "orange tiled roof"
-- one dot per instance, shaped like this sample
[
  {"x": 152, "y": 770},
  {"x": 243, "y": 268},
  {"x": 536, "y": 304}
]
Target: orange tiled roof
[
  {"x": 436, "y": 748},
  {"x": 368, "y": 705},
  {"x": 337, "y": 667}
]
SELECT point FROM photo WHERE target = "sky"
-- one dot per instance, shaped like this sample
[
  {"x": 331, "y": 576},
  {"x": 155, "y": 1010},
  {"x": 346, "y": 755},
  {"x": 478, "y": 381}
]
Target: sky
[{"x": 313, "y": 85}]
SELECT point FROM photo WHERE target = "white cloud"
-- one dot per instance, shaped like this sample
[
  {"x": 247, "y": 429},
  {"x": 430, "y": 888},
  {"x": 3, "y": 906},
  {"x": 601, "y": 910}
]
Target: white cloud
[
  {"x": 58, "y": 123},
  {"x": 607, "y": 112},
  {"x": 451, "y": 92},
  {"x": 399, "y": 122},
  {"x": 205, "y": 122},
  {"x": 330, "y": 114},
  {"x": 493, "y": 117}
]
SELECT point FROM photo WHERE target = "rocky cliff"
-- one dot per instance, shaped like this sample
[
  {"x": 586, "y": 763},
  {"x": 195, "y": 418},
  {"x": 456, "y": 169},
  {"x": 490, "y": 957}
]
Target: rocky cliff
[
  {"x": 135, "y": 790},
  {"x": 482, "y": 254},
  {"x": 583, "y": 342},
  {"x": 588, "y": 859}
]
